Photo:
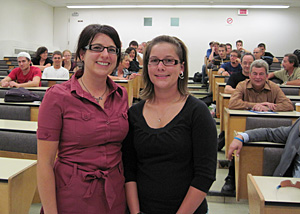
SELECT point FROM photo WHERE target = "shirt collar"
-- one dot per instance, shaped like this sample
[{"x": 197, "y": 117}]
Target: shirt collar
[{"x": 250, "y": 86}]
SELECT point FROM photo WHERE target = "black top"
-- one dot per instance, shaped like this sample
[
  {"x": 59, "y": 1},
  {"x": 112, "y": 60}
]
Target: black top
[
  {"x": 235, "y": 78},
  {"x": 165, "y": 162},
  {"x": 217, "y": 61},
  {"x": 134, "y": 66},
  {"x": 268, "y": 54},
  {"x": 35, "y": 61}
]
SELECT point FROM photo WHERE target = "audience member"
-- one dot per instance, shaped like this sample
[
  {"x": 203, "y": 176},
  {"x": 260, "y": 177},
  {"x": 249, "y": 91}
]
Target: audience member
[
  {"x": 258, "y": 94},
  {"x": 208, "y": 51},
  {"x": 290, "y": 74},
  {"x": 289, "y": 165},
  {"x": 139, "y": 56},
  {"x": 67, "y": 62},
  {"x": 134, "y": 64},
  {"x": 239, "y": 46},
  {"x": 262, "y": 46},
  {"x": 229, "y": 48},
  {"x": 23, "y": 76},
  {"x": 41, "y": 59},
  {"x": 170, "y": 151},
  {"x": 214, "y": 51},
  {"x": 56, "y": 71},
  {"x": 121, "y": 72},
  {"x": 258, "y": 54},
  {"x": 233, "y": 66},
  {"x": 237, "y": 77},
  {"x": 220, "y": 59},
  {"x": 82, "y": 123}
]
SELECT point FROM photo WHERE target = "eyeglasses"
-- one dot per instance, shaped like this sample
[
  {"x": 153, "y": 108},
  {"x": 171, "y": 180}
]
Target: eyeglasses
[
  {"x": 100, "y": 48},
  {"x": 233, "y": 56},
  {"x": 288, "y": 183},
  {"x": 166, "y": 62}
]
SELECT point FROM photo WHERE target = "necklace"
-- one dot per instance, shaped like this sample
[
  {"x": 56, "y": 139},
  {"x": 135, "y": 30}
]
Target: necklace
[{"x": 96, "y": 98}]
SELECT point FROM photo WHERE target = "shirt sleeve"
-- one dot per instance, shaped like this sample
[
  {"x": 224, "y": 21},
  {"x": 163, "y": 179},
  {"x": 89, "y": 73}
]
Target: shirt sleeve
[
  {"x": 204, "y": 139},
  {"x": 128, "y": 151},
  {"x": 50, "y": 116},
  {"x": 282, "y": 102},
  {"x": 13, "y": 74}
]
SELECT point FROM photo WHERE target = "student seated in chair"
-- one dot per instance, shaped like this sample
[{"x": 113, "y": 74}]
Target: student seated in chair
[
  {"x": 23, "y": 76},
  {"x": 56, "y": 71},
  {"x": 258, "y": 94},
  {"x": 237, "y": 77},
  {"x": 290, "y": 74},
  {"x": 233, "y": 66},
  {"x": 289, "y": 164}
]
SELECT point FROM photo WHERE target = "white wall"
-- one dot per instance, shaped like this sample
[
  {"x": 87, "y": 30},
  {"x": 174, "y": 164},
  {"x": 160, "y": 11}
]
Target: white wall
[
  {"x": 25, "y": 24},
  {"x": 279, "y": 29}
]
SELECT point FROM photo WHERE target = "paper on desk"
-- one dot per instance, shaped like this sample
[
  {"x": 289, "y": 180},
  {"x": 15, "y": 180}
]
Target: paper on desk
[{"x": 264, "y": 112}]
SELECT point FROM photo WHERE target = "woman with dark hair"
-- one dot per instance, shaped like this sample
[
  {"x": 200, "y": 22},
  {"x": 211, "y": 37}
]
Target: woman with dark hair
[
  {"x": 84, "y": 121},
  {"x": 170, "y": 152},
  {"x": 134, "y": 64},
  {"x": 41, "y": 59}
]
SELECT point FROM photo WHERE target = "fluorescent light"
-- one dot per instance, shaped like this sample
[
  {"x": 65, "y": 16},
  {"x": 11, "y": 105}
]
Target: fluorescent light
[{"x": 176, "y": 6}]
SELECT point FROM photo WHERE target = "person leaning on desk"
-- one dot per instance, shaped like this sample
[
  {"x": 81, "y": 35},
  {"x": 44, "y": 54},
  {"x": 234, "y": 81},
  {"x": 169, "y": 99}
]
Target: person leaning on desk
[
  {"x": 259, "y": 94},
  {"x": 289, "y": 164}
]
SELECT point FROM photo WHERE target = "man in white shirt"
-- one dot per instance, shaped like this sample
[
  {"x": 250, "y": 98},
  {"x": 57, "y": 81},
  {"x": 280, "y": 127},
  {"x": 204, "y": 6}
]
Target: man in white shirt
[{"x": 56, "y": 71}]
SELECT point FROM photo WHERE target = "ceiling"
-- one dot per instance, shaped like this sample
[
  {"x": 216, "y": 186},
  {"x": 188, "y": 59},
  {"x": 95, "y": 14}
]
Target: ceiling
[{"x": 63, "y": 3}]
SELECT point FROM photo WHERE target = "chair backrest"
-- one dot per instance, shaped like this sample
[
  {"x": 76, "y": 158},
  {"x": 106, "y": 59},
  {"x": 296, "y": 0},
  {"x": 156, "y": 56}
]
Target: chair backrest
[
  {"x": 291, "y": 91},
  {"x": 13, "y": 112},
  {"x": 3, "y": 73},
  {"x": 271, "y": 160},
  {"x": 18, "y": 142},
  {"x": 266, "y": 122},
  {"x": 44, "y": 83},
  {"x": 2, "y": 93}
]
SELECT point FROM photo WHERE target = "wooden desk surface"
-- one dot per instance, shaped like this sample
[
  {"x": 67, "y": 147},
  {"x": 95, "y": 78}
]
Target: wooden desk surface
[
  {"x": 235, "y": 120},
  {"x": 18, "y": 125},
  {"x": 268, "y": 187},
  {"x": 12, "y": 166},
  {"x": 29, "y": 88}
]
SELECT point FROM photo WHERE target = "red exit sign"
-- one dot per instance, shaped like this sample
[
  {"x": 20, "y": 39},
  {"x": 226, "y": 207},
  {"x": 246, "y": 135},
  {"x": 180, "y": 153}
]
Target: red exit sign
[{"x": 243, "y": 12}]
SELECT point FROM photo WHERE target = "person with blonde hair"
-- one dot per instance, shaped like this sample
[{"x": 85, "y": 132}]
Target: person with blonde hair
[{"x": 170, "y": 152}]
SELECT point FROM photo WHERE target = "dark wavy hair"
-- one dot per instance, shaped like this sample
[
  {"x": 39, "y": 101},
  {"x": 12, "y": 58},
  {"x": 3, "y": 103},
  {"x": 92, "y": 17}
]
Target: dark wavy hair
[
  {"x": 129, "y": 49},
  {"x": 39, "y": 51},
  {"x": 89, "y": 33},
  {"x": 181, "y": 50}
]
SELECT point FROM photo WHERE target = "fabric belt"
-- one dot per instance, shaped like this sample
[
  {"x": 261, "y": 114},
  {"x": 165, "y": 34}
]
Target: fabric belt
[{"x": 93, "y": 177}]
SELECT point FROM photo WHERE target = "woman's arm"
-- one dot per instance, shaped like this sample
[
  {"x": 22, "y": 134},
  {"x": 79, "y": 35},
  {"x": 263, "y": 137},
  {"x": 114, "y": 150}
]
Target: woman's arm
[
  {"x": 45, "y": 175},
  {"x": 192, "y": 200},
  {"x": 132, "y": 197}
]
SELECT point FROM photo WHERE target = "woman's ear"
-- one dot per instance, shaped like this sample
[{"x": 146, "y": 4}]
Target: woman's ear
[
  {"x": 82, "y": 53},
  {"x": 182, "y": 66}
]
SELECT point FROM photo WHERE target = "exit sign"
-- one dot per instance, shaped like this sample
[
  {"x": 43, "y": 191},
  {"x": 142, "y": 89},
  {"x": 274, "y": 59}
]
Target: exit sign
[{"x": 242, "y": 12}]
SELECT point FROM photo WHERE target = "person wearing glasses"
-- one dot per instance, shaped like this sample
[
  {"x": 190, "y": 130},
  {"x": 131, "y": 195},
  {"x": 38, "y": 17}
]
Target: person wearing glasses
[
  {"x": 170, "y": 152},
  {"x": 67, "y": 61},
  {"x": 233, "y": 66},
  {"x": 84, "y": 121},
  {"x": 134, "y": 64}
]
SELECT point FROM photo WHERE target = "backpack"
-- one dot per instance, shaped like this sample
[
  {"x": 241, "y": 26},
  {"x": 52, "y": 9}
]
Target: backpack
[
  {"x": 20, "y": 95},
  {"x": 197, "y": 77}
]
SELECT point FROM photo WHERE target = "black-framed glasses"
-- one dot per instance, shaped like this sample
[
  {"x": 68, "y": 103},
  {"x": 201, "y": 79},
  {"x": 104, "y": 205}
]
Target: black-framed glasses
[
  {"x": 166, "y": 62},
  {"x": 100, "y": 48}
]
